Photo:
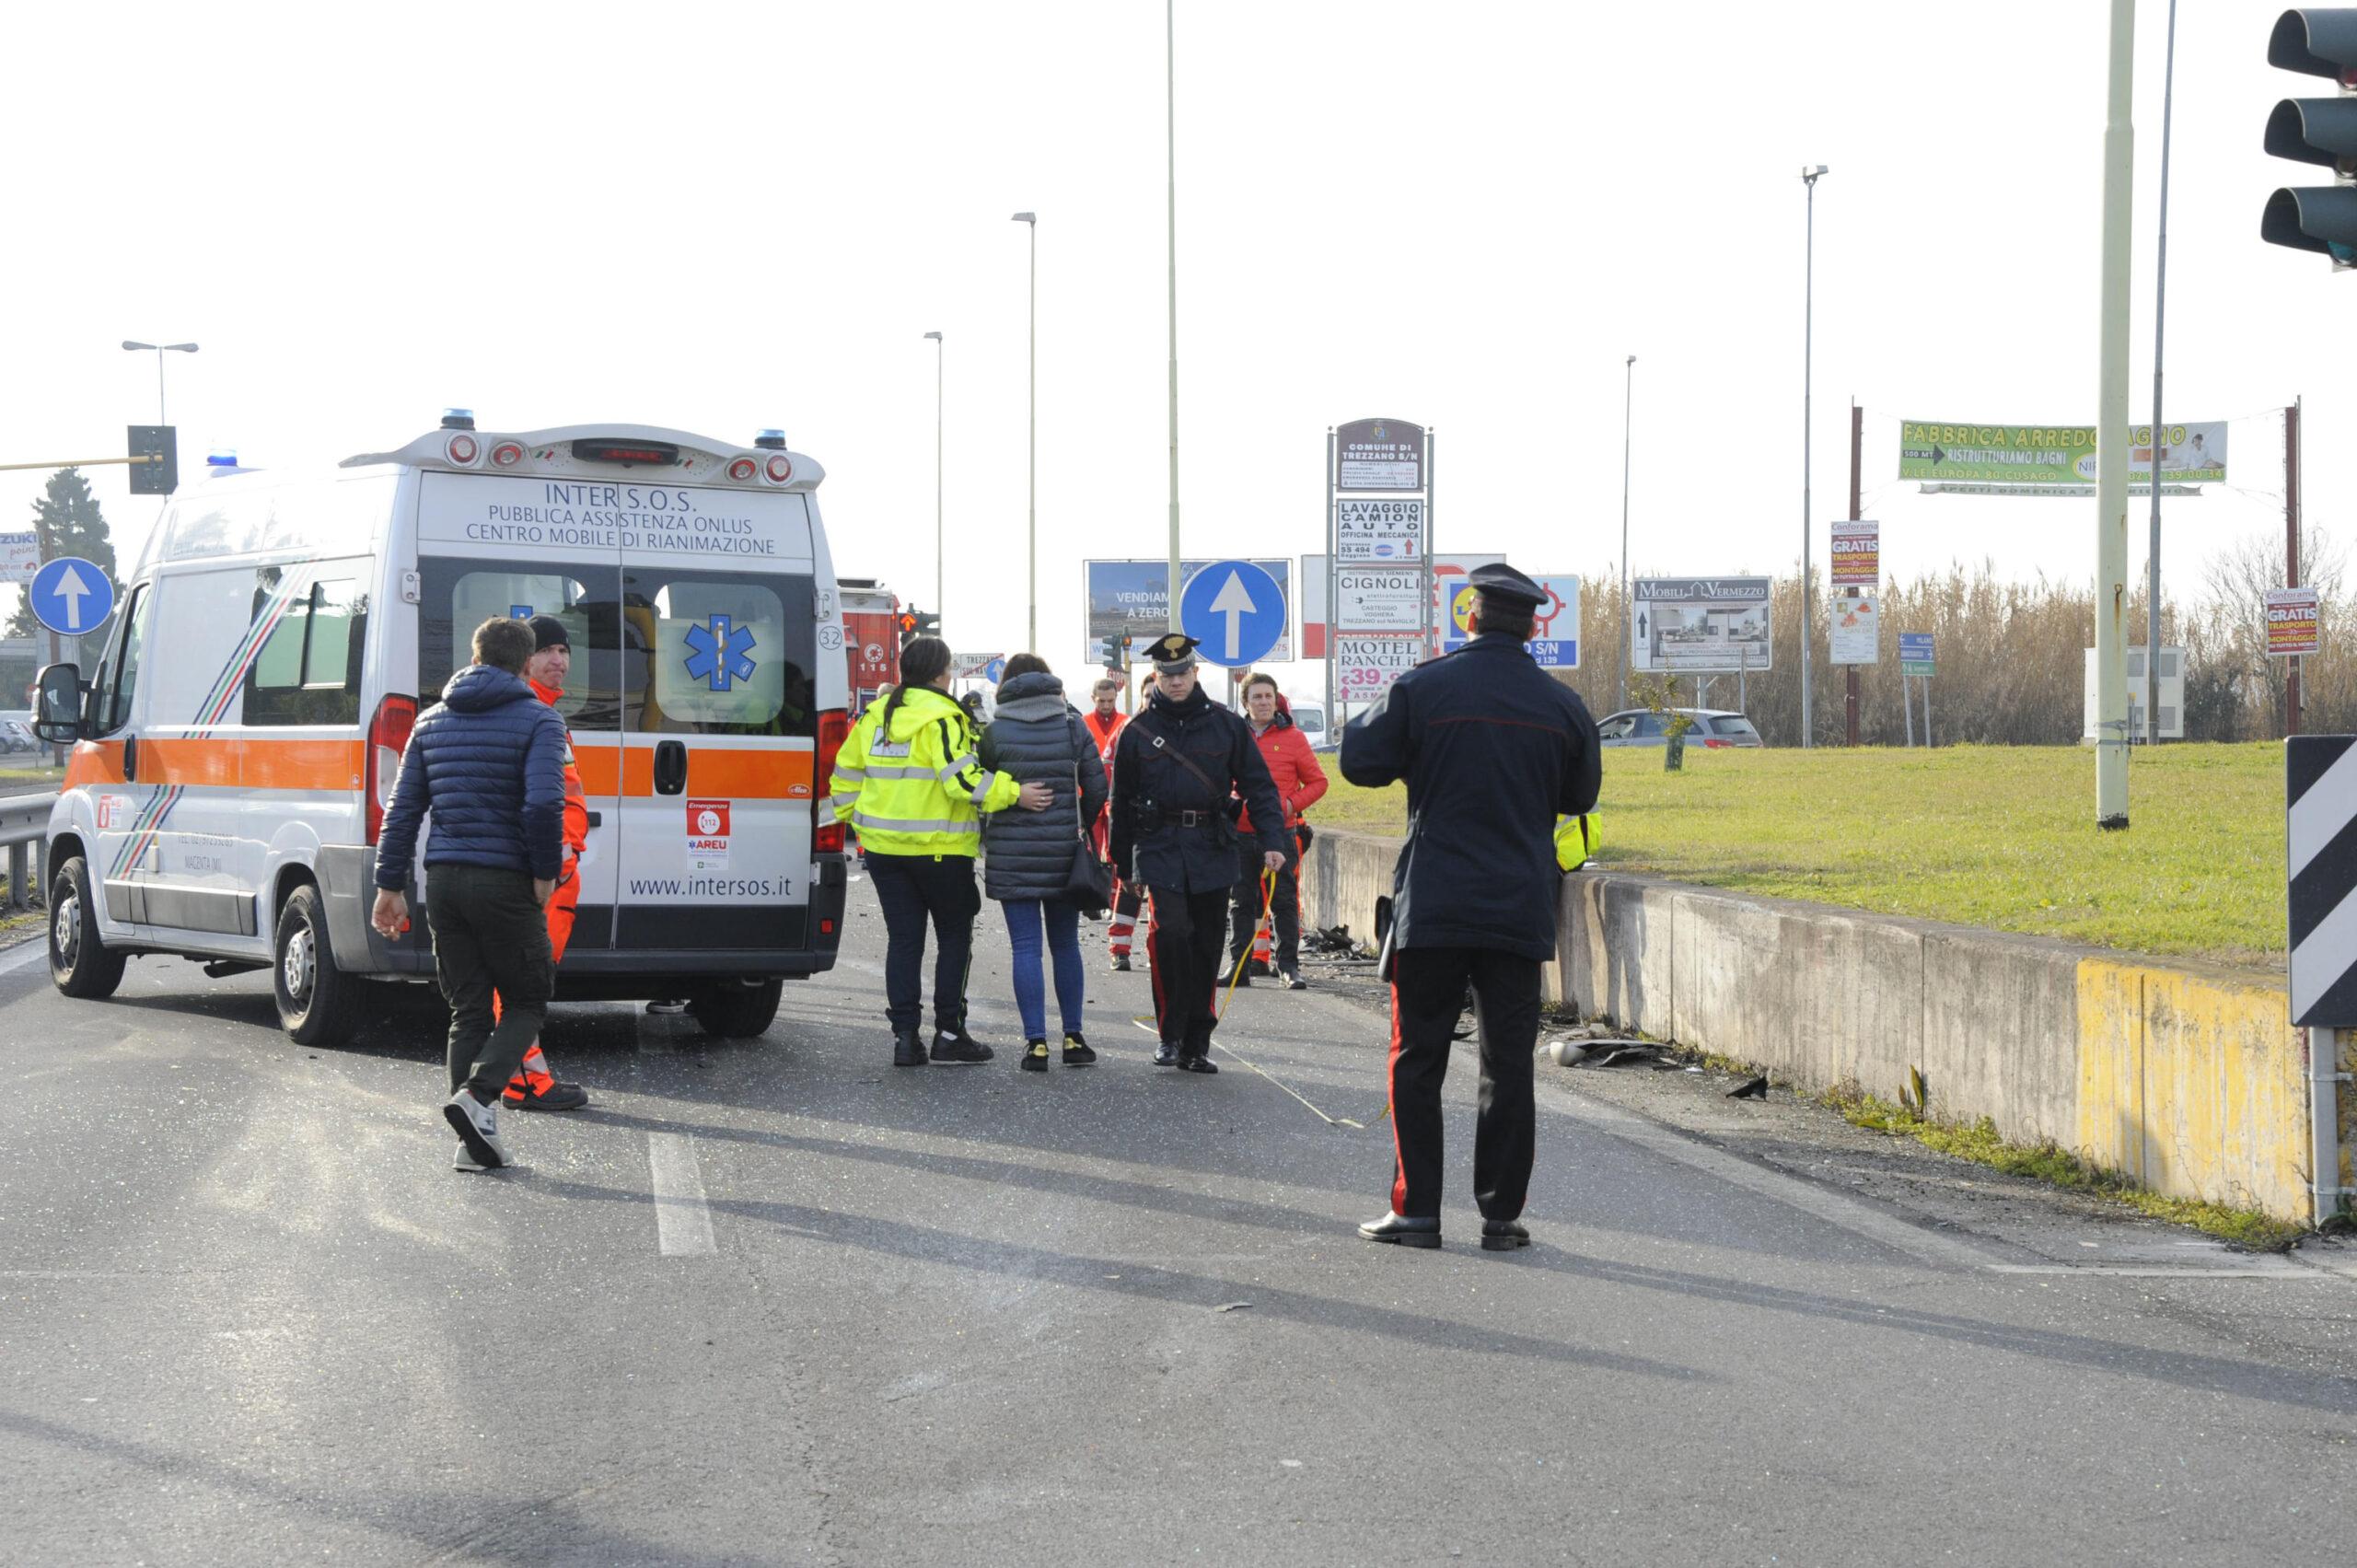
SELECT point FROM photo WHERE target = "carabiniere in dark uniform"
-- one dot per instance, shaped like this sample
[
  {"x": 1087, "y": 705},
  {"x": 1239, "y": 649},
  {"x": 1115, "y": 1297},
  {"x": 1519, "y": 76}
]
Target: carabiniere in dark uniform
[
  {"x": 1493, "y": 748},
  {"x": 1176, "y": 770}
]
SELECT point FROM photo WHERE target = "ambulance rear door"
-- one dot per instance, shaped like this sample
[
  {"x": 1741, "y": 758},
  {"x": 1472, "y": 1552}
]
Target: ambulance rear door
[{"x": 719, "y": 676}]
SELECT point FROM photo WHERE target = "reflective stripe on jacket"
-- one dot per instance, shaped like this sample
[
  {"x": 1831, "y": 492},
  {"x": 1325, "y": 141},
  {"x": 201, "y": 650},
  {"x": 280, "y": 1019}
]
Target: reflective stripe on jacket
[{"x": 918, "y": 789}]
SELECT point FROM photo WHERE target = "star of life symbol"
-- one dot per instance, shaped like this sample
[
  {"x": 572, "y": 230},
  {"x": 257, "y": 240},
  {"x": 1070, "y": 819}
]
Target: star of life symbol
[{"x": 720, "y": 652}]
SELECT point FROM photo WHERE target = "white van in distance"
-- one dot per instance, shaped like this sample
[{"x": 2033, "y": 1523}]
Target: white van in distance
[{"x": 236, "y": 746}]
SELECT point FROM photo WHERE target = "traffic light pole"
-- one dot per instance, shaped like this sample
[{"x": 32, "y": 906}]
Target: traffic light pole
[{"x": 86, "y": 463}]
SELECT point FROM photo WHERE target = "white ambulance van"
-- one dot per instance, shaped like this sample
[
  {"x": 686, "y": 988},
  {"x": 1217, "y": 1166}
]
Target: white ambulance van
[{"x": 236, "y": 744}]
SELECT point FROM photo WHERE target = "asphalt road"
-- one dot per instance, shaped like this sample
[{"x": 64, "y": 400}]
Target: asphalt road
[{"x": 780, "y": 1302}]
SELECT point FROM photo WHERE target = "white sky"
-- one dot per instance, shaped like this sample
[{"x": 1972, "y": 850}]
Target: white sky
[{"x": 721, "y": 217}]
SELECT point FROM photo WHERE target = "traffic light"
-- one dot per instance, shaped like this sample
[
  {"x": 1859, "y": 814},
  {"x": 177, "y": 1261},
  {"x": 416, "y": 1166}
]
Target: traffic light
[
  {"x": 928, "y": 625},
  {"x": 161, "y": 475},
  {"x": 2316, "y": 130},
  {"x": 1113, "y": 652},
  {"x": 907, "y": 622}
]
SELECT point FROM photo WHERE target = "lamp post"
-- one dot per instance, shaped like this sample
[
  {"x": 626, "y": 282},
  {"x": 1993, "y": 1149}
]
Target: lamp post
[
  {"x": 1628, "y": 644},
  {"x": 939, "y": 348},
  {"x": 1170, "y": 150},
  {"x": 159, "y": 350},
  {"x": 1031, "y": 581},
  {"x": 1809, "y": 177}
]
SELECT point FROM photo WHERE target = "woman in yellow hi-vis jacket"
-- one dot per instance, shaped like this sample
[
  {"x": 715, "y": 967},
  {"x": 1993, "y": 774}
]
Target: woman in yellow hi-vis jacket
[{"x": 908, "y": 781}]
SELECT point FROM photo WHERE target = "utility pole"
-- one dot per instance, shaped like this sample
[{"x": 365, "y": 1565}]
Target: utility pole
[
  {"x": 2160, "y": 310},
  {"x": 2292, "y": 552},
  {"x": 1857, "y": 503},
  {"x": 1628, "y": 404},
  {"x": 1808, "y": 349},
  {"x": 2111, "y": 428}
]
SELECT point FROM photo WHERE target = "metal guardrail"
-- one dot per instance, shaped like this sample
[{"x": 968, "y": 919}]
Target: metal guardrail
[{"x": 24, "y": 833}]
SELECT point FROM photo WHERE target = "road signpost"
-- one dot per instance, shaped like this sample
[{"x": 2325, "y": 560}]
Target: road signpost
[
  {"x": 71, "y": 595},
  {"x": 1378, "y": 557},
  {"x": 1915, "y": 658},
  {"x": 1237, "y": 612}
]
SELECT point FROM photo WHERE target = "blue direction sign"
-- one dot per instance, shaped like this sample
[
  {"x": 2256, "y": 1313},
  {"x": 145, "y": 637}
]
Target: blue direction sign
[
  {"x": 1915, "y": 654},
  {"x": 1234, "y": 610},
  {"x": 70, "y": 596}
]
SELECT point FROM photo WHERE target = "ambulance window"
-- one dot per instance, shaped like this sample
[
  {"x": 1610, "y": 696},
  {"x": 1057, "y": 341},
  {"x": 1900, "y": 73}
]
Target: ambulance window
[
  {"x": 308, "y": 671},
  {"x": 110, "y": 693},
  {"x": 712, "y": 654},
  {"x": 460, "y": 595}
]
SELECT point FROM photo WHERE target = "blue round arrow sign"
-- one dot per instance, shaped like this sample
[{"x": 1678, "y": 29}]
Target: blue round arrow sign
[
  {"x": 1234, "y": 610},
  {"x": 71, "y": 595}
]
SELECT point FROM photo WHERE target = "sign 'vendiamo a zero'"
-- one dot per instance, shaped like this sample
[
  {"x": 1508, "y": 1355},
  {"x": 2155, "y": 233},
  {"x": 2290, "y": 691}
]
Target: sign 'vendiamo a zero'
[
  {"x": 1370, "y": 531},
  {"x": 2293, "y": 626},
  {"x": 1380, "y": 600},
  {"x": 1365, "y": 666}
]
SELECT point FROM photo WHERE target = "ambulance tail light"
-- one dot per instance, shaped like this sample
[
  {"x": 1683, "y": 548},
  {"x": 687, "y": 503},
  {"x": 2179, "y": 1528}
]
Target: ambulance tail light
[
  {"x": 743, "y": 470},
  {"x": 780, "y": 467},
  {"x": 834, "y": 728},
  {"x": 387, "y": 739}
]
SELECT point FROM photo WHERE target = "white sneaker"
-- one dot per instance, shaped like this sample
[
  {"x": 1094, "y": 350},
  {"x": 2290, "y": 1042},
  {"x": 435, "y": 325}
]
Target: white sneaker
[
  {"x": 466, "y": 1160},
  {"x": 477, "y": 1125}
]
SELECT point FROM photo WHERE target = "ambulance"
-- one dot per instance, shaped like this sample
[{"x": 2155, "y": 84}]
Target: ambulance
[{"x": 234, "y": 746}]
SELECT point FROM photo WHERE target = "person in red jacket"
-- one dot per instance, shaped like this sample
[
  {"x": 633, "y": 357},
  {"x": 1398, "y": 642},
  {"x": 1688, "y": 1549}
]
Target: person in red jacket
[
  {"x": 535, "y": 1086},
  {"x": 1300, "y": 782}
]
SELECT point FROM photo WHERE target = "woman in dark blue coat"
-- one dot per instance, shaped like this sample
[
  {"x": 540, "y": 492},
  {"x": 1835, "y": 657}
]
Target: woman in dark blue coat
[{"x": 1037, "y": 737}]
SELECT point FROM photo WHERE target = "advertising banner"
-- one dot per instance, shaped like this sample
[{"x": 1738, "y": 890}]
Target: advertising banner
[
  {"x": 1857, "y": 626},
  {"x": 1709, "y": 624},
  {"x": 1132, "y": 599},
  {"x": 1555, "y": 625},
  {"x": 1370, "y": 531},
  {"x": 1857, "y": 557},
  {"x": 1365, "y": 666},
  {"x": 1379, "y": 454},
  {"x": 1380, "y": 598},
  {"x": 19, "y": 557},
  {"x": 2293, "y": 626},
  {"x": 2052, "y": 459}
]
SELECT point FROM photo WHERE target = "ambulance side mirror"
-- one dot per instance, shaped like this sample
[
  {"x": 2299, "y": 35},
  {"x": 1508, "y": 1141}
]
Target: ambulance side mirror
[{"x": 58, "y": 720}]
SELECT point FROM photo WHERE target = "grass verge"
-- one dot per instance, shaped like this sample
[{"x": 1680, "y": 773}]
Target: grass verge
[
  {"x": 1999, "y": 837},
  {"x": 1979, "y": 1143}
]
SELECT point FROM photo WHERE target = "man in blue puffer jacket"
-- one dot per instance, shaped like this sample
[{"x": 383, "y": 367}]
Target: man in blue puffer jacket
[{"x": 489, "y": 762}]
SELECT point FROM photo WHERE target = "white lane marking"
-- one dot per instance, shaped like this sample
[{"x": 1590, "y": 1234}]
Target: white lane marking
[
  {"x": 23, "y": 956},
  {"x": 682, "y": 1221},
  {"x": 2257, "y": 1268}
]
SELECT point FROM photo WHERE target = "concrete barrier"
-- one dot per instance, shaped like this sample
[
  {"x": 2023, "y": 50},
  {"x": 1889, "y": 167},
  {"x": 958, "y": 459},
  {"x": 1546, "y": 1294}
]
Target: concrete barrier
[{"x": 2186, "y": 1078}]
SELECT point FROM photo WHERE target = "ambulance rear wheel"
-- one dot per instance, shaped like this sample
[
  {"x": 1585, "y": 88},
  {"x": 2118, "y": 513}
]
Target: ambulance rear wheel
[
  {"x": 734, "y": 1010},
  {"x": 80, "y": 963},
  {"x": 317, "y": 1003}
]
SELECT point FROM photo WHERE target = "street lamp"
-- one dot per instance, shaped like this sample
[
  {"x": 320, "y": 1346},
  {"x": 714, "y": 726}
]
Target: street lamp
[
  {"x": 1808, "y": 343},
  {"x": 1628, "y": 644},
  {"x": 939, "y": 348},
  {"x": 159, "y": 350},
  {"x": 1031, "y": 582}
]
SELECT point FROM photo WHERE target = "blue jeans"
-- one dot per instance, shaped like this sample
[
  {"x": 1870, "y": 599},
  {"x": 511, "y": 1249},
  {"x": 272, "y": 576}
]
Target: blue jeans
[{"x": 1024, "y": 919}]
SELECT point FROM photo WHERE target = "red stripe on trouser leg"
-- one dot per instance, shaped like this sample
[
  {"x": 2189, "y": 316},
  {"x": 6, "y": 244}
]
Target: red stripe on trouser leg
[
  {"x": 1391, "y": 1083},
  {"x": 1154, "y": 971}
]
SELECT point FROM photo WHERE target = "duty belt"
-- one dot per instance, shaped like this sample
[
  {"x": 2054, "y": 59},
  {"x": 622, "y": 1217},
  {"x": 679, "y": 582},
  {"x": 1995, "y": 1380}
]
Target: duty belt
[{"x": 1192, "y": 818}]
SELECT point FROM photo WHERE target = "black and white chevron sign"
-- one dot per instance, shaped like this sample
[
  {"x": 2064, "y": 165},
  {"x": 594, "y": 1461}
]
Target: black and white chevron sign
[{"x": 2320, "y": 797}]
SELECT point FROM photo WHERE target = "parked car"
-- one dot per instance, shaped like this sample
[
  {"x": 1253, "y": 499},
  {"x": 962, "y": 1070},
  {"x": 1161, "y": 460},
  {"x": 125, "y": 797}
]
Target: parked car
[
  {"x": 16, "y": 737},
  {"x": 1713, "y": 727},
  {"x": 1310, "y": 719}
]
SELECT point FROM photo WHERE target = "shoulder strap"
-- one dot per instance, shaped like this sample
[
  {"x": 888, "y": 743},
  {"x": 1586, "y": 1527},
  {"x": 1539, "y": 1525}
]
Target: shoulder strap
[{"x": 1161, "y": 743}]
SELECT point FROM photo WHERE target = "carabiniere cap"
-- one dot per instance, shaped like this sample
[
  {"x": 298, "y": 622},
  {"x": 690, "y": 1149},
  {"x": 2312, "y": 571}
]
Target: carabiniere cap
[{"x": 1172, "y": 653}]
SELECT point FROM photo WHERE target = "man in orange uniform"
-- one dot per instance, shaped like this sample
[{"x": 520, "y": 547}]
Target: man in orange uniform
[{"x": 534, "y": 1086}]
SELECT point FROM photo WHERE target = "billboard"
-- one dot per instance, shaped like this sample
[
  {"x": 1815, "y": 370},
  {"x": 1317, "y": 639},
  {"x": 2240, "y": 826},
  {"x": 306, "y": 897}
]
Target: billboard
[
  {"x": 1554, "y": 626},
  {"x": 1132, "y": 599},
  {"x": 2052, "y": 459},
  {"x": 1375, "y": 531},
  {"x": 2292, "y": 626},
  {"x": 1709, "y": 624},
  {"x": 1857, "y": 557},
  {"x": 1856, "y": 617},
  {"x": 1365, "y": 666}
]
